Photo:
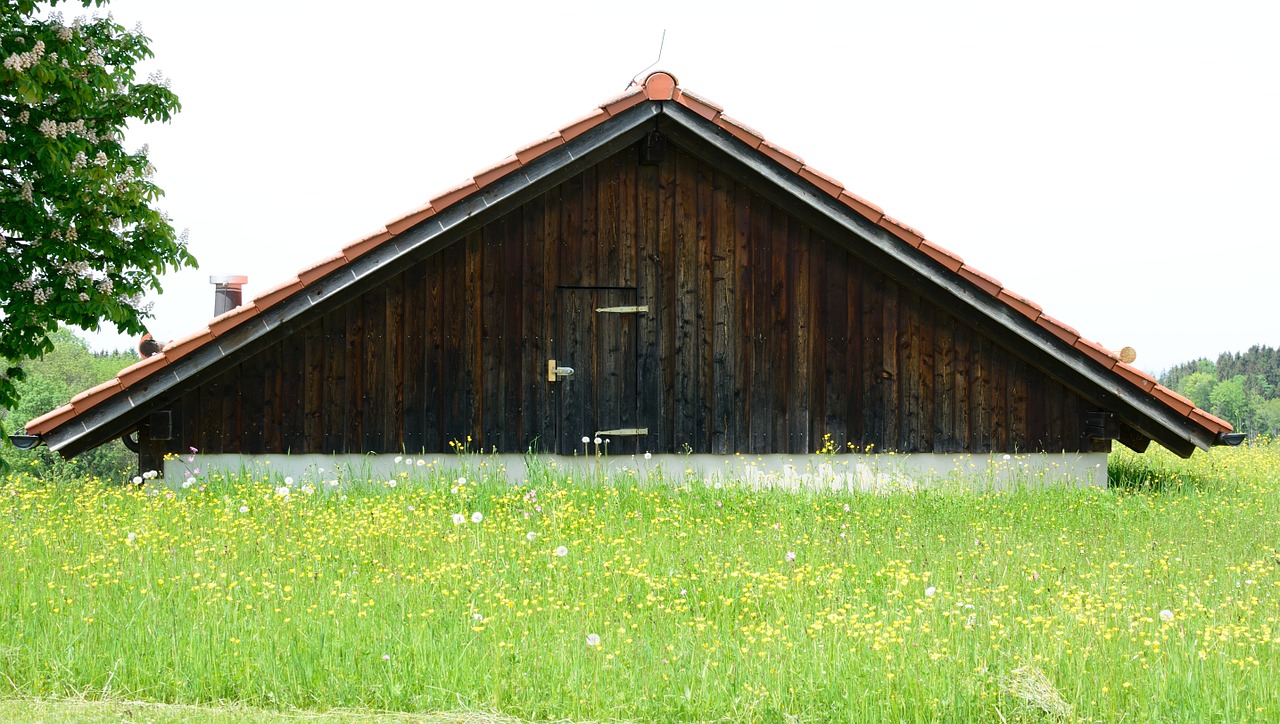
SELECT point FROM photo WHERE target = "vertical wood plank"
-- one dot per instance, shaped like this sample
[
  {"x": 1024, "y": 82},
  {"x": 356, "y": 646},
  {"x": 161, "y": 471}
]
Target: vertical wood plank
[
  {"x": 800, "y": 341},
  {"x": 667, "y": 295},
  {"x": 314, "y": 384},
  {"x": 373, "y": 320},
  {"x": 704, "y": 398},
  {"x": 534, "y": 393},
  {"x": 910, "y": 371},
  {"x": 212, "y": 396},
  {"x": 292, "y": 374},
  {"x": 999, "y": 364},
  {"x": 357, "y": 384},
  {"x": 273, "y": 407},
  {"x": 889, "y": 377},
  {"x": 588, "y": 237},
  {"x": 435, "y": 380},
  {"x": 1037, "y": 432},
  {"x": 1054, "y": 410},
  {"x": 232, "y": 427},
  {"x": 1073, "y": 437},
  {"x": 251, "y": 405},
  {"x": 837, "y": 362},
  {"x": 334, "y": 345},
  {"x": 780, "y": 343},
  {"x": 452, "y": 367},
  {"x": 856, "y": 357},
  {"x": 929, "y": 428},
  {"x": 723, "y": 317},
  {"x": 472, "y": 343},
  {"x": 686, "y": 390},
  {"x": 628, "y": 222},
  {"x": 963, "y": 408},
  {"x": 761, "y": 325},
  {"x": 944, "y": 398},
  {"x": 392, "y": 401},
  {"x": 552, "y": 232},
  {"x": 742, "y": 330},
  {"x": 1017, "y": 406},
  {"x": 875, "y": 397},
  {"x": 492, "y": 309},
  {"x": 610, "y": 252},
  {"x": 414, "y": 322},
  {"x": 980, "y": 394},
  {"x": 512, "y": 295},
  {"x": 573, "y": 255}
]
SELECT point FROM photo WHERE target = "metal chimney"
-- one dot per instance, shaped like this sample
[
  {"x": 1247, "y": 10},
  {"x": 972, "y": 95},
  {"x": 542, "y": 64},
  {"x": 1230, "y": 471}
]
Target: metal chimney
[{"x": 226, "y": 292}]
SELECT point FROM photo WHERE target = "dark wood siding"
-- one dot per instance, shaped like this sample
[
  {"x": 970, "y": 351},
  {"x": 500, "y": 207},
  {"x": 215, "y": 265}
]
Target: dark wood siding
[{"x": 760, "y": 336}]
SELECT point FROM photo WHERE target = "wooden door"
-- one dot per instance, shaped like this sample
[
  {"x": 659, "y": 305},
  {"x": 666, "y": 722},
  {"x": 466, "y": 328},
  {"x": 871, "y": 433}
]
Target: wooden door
[{"x": 596, "y": 338}]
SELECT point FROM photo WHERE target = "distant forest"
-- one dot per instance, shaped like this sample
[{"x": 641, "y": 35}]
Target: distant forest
[{"x": 1240, "y": 387}]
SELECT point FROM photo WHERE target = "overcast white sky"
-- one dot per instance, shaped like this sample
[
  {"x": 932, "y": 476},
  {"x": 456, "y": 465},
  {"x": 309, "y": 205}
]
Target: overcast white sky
[{"x": 1115, "y": 162}]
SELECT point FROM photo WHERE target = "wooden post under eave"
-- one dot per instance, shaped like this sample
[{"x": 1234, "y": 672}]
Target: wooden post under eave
[{"x": 150, "y": 452}]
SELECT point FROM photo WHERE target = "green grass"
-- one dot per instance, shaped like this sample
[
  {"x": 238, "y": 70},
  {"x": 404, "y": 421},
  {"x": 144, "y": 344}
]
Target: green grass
[{"x": 1031, "y": 604}]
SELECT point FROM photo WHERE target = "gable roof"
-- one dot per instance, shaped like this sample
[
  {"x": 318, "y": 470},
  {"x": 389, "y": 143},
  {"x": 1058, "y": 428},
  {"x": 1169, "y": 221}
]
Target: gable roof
[{"x": 1148, "y": 410}]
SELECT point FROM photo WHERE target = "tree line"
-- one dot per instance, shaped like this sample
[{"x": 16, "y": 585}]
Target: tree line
[
  {"x": 68, "y": 369},
  {"x": 1242, "y": 388}
]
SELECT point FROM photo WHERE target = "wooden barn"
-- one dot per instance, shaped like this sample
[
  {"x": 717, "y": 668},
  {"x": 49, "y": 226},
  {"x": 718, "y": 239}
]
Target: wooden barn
[{"x": 657, "y": 274}]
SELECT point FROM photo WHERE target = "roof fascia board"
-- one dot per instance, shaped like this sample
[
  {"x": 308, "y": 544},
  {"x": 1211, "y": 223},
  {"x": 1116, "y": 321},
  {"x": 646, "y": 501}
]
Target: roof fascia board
[
  {"x": 122, "y": 413},
  {"x": 1151, "y": 419}
]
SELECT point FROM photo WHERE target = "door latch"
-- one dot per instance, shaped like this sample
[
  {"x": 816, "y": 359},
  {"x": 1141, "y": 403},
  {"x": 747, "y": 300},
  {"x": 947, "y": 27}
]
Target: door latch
[{"x": 555, "y": 374}]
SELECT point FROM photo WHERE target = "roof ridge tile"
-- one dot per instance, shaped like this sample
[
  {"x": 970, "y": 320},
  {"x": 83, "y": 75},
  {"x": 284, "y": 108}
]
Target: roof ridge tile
[
  {"x": 791, "y": 161},
  {"x": 448, "y": 197},
  {"x": 900, "y": 230},
  {"x": 740, "y": 130},
  {"x": 140, "y": 369},
  {"x": 660, "y": 86},
  {"x": 983, "y": 281},
  {"x": 411, "y": 219},
  {"x": 698, "y": 104},
  {"x": 630, "y": 97},
  {"x": 49, "y": 420},
  {"x": 829, "y": 185},
  {"x": 872, "y": 212},
  {"x": 366, "y": 244},
  {"x": 945, "y": 257},
  {"x": 89, "y": 398}
]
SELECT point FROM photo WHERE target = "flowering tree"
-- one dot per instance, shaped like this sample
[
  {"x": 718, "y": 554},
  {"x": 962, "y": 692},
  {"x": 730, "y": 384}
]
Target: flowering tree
[{"x": 80, "y": 239}]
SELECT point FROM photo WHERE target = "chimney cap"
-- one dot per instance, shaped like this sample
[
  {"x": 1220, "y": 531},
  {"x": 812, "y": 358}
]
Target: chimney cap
[{"x": 229, "y": 280}]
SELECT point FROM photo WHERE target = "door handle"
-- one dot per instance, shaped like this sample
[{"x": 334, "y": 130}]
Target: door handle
[{"x": 555, "y": 374}]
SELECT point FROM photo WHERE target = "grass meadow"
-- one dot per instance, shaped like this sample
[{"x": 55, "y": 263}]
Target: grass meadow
[{"x": 640, "y": 599}]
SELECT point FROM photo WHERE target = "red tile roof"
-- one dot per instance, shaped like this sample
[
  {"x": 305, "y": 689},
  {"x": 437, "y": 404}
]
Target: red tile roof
[{"x": 658, "y": 86}]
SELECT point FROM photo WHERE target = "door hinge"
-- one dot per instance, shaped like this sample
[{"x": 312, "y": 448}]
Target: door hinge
[
  {"x": 624, "y": 310},
  {"x": 624, "y": 432}
]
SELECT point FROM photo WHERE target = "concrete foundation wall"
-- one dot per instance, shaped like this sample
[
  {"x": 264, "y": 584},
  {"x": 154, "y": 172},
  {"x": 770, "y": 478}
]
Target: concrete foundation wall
[{"x": 845, "y": 473}]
